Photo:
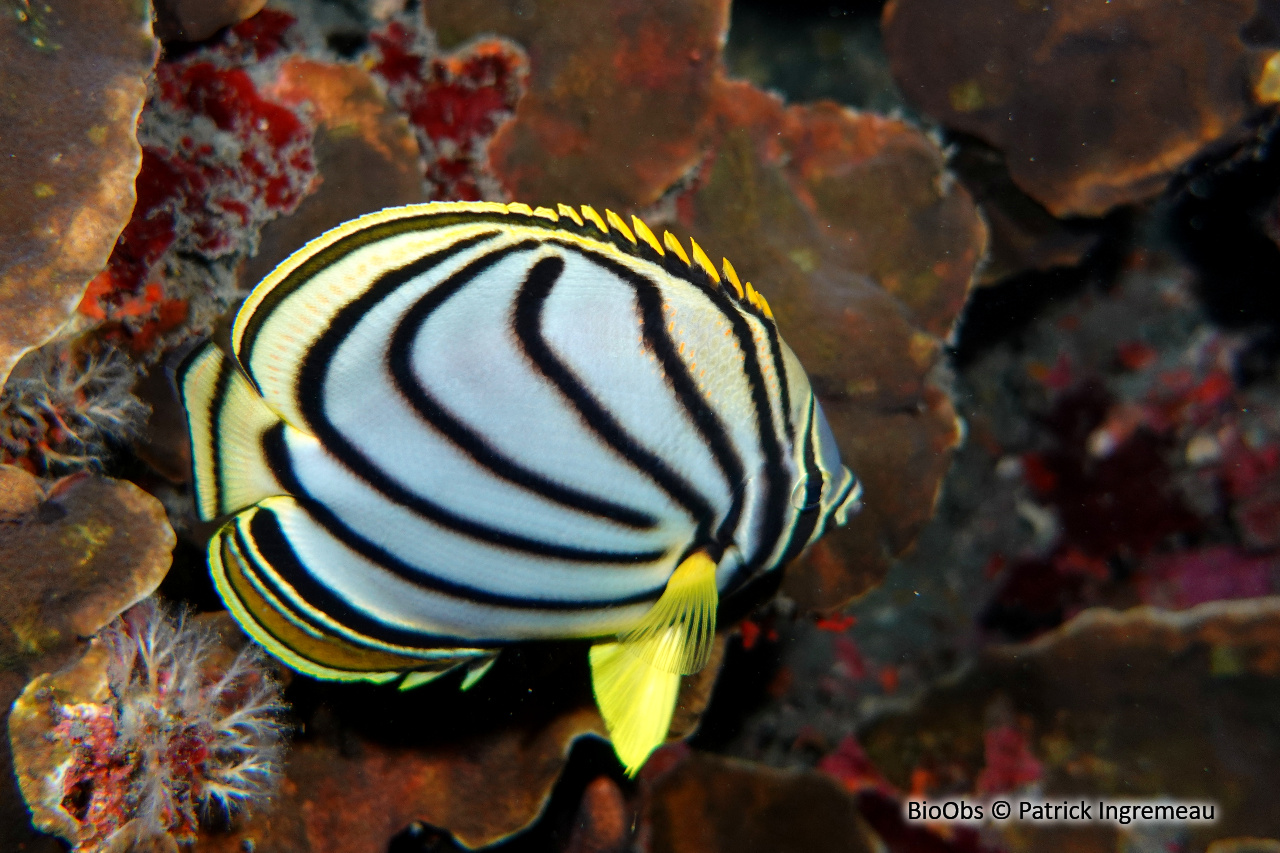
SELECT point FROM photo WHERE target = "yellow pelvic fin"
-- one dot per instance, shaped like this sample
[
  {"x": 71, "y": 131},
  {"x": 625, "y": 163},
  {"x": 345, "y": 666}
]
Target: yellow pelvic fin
[
  {"x": 677, "y": 633},
  {"x": 636, "y": 701}
]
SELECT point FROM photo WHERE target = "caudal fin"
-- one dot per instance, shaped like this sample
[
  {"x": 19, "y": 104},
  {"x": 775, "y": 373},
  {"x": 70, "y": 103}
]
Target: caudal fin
[
  {"x": 637, "y": 678},
  {"x": 226, "y": 420}
]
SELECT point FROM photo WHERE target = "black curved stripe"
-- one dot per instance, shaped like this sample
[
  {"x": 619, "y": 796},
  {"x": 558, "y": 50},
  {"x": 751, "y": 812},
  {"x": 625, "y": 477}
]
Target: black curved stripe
[
  {"x": 784, "y": 391},
  {"x": 282, "y": 604},
  {"x": 310, "y": 393},
  {"x": 526, "y": 321},
  {"x": 776, "y": 495},
  {"x": 353, "y": 242},
  {"x": 217, "y": 401},
  {"x": 271, "y": 542},
  {"x": 277, "y": 453},
  {"x": 471, "y": 442},
  {"x": 715, "y": 435}
]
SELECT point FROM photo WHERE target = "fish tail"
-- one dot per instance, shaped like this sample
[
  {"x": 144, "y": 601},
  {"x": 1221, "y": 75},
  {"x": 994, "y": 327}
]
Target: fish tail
[
  {"x": 637, "y": 678},
  {"x": 226, "y": 419}
]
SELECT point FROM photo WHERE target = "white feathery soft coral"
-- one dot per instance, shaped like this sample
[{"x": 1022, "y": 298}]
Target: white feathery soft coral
[{"x": 197, "y": 731}]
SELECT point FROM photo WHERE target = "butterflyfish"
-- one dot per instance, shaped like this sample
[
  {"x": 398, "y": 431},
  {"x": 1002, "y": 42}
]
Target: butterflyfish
[{"x": 442, "y": 429}]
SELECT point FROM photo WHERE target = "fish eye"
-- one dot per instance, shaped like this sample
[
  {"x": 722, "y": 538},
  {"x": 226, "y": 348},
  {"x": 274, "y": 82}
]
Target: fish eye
[{"x": 801, "y": 498}]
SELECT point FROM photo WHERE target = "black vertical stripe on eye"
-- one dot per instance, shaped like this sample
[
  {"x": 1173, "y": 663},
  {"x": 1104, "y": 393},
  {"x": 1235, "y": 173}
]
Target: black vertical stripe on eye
[
  {"x": 807, "y": 519},
  {"x": 311, "y": 397},
  {"x": 277, "y": 452},
  {"x": 526, "y": 323},
  {"x": 399, "y": 362},
  {"x": 710, "y": 427}
]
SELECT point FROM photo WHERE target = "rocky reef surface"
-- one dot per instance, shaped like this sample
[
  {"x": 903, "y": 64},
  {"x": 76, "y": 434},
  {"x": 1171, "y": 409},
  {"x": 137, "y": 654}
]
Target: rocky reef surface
[{"x": 1026, "y": 252}]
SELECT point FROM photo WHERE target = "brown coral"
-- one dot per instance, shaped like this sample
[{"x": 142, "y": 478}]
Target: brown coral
[
  {"x": 72, "y": 556},
  {"x": 74, "y": 83},
  {"x": 1095, "y": 104}
]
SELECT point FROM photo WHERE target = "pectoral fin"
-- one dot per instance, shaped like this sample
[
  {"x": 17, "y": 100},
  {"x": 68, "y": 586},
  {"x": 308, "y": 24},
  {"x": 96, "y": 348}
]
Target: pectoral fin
[
  {"x": 637, "y": 678},
  {"x": 678, "y": 632}
]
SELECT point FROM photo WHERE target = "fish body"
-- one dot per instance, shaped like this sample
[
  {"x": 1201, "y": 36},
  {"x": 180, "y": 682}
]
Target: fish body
[{"x": 443, "y": 429}]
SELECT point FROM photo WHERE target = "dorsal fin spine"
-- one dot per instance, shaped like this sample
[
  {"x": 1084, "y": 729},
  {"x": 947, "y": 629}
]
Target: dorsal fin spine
[
  {"x": 621, "y": 227},
  {"x": 566, "y": 210},
  {"x": 520, "y": 207},
  {"x": 701, "y": 259},
  {"x": 643, "y": 232},
  {"x": 669, "y": 240},
  {"x": 589, "y": 213},
  {"x": 731, "y": 275}
]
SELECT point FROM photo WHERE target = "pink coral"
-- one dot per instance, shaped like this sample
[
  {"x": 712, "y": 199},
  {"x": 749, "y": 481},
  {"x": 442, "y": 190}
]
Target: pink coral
[{"x": 190, "y": 731}]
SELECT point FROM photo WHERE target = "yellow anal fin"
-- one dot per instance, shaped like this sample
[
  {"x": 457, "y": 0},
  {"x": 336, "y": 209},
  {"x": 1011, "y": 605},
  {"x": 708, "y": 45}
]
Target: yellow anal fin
[
  {"x": 636, "y": 701},
  {"x": 678, "y": 632}
]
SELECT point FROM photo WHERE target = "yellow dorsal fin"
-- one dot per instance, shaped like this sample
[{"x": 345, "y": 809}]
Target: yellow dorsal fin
[
  {"x": 669, "y": 240},
  {"x": 700, "y": 258},
  {"x": 731, "y": 275},
  {"x": 546, "y": 213},
  {"x": 566, "y": 210},
  {"x": 589, "y": 214},
  {"x": 621, "y": 227},
  {"x": 636, "y": 701},
  {"x": 643, "y": 232},
  {"x": 520, "y": 207},
  {"x": 752, "y": 296},
  {"x": 764, "y": 304},
  {"x": 677, "y": 633}
]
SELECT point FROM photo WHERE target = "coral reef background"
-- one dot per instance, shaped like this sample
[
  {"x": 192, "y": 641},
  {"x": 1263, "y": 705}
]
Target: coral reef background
[{"x": 1026, "y": 251}]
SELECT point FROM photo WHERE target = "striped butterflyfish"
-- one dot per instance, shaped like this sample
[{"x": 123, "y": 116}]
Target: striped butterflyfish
[{"x": 441, "y": 429}]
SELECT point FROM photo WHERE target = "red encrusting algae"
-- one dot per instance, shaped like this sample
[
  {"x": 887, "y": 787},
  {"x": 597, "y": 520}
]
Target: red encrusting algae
[{"x": 454, "y": 102}]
